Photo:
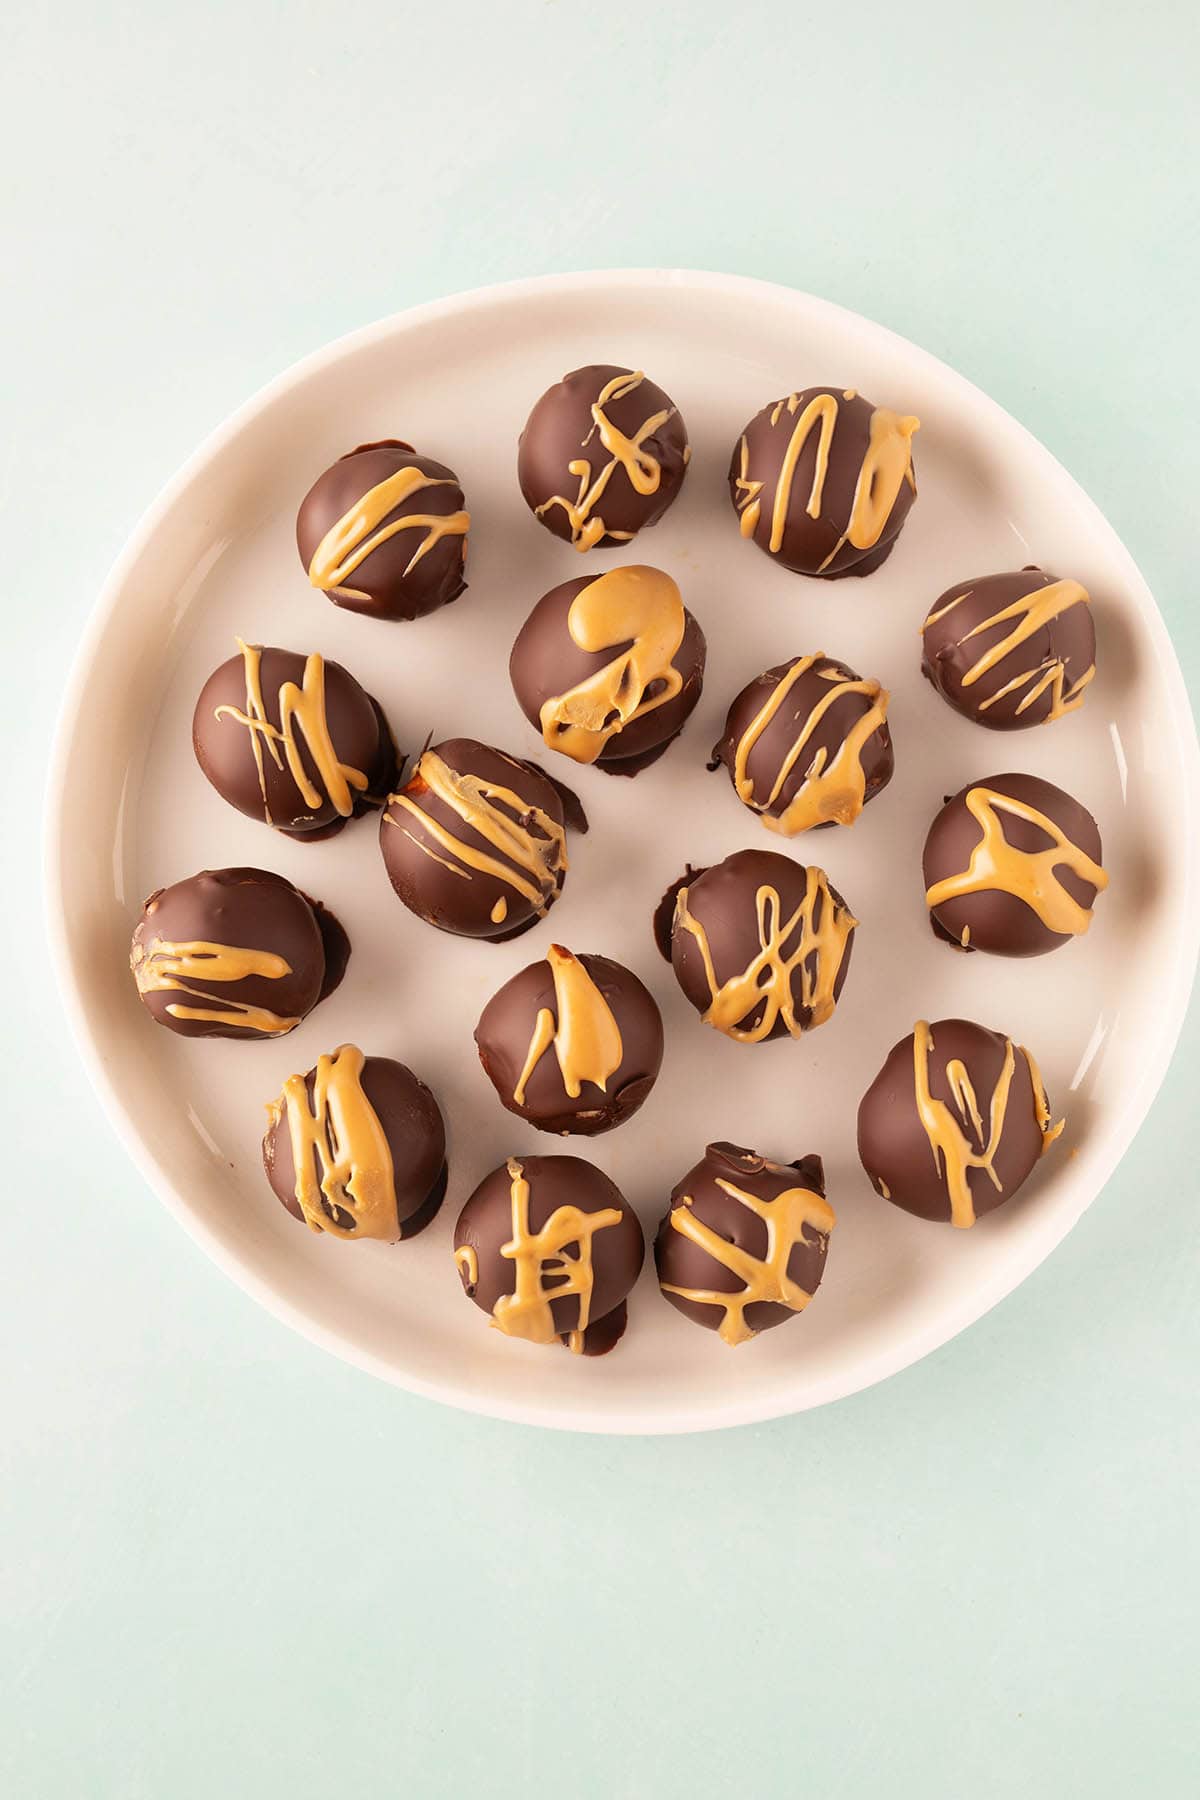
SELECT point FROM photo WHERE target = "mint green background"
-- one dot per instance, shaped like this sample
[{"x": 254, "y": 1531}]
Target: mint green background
[{"x": 233, "y": 1567}]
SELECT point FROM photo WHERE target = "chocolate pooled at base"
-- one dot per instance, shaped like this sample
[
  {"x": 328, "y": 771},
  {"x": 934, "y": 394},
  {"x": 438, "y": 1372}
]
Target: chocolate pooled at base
[
  {"x": 293, "y": 740},
  {"x": 609, "y": 667},
  {"x": 1012, "y": 865},
  {"x": 742, "y": 1245},
  {"x": 1011, "y": 650},
  {"x": 823, "y": 481},
  {"x": 235, "y": 953},
  {"x": 807, "y": 744},
  {"x": 356, "y": 1148},
  {"x": 572, "y": 1044},
  {"x": 550, "y": 1247},
  {"x": 603, "y": 454},
  {"x": 475, "y": 842},
  {"x": 384, "y": 532}
]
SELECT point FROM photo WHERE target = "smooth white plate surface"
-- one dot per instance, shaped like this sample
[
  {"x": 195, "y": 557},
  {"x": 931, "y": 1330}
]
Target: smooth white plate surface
[{"x": 130, "y": 811}]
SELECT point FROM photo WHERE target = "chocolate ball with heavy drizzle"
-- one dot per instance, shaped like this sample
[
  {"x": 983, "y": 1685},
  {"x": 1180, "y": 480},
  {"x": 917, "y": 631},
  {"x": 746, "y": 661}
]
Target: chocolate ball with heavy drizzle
[
  {"x": 742, "y": 1246},
  {"x": 1011, "y": 650},
  {"x": 293, "y": 740},
  {"x": 823, "y": 481},
  {"x": 609, "y": 667},
  {"x": 573, "y": 1044},
  {"x": 954, "y": 1122},
  {"x": 759, "y": 944},
  {"x": 476, "y": 841},
  {"x": 384, "y": 531},
  {"x": 235, "y": 953},
  {"x": 356, "y": 1148},
  {"x": 603, "y": 453},
  {"x": 550, "y": 1247},
  {"x": 1013, "y": 866},
  {"x": 807, "y": 744}
]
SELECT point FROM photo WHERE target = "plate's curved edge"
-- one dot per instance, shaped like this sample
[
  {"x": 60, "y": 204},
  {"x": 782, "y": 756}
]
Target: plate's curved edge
[{"x": 873, "y": 1369}]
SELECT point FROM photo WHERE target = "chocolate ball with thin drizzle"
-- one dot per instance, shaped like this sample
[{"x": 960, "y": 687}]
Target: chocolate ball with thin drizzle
[
  {"x": 475, "y": 842},
  {"x": 384, "y": 532},
  {"x": 807, "y": 744},
  {"x": 759, "y": 944},
  {"x": 1012, "y": 866},
  {"x": 550, "y": 1247},
  {"x": 743, "y": 1243},
  {"x": 293, "y": 740},
  {"x": 609, "y": 667},
  {"x": 356, "y": 1148},
  {"x": 1012, "y": 650},
  {"x": 954, "y": 1122},
  {"x": 235, "y": 953},
  {"x": 603, "y": 454},
  {"x": 822, "y": 481},
  {"x": 572, "y": 1044}
]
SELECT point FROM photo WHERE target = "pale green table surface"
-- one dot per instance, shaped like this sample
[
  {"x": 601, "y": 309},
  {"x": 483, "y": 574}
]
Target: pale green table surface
[{"x": 233, "y": 1567}]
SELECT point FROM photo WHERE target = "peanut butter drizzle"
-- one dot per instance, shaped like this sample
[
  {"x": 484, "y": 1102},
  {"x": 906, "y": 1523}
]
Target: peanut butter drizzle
[
  {"x": 525, "y": 1313},
  {"x": 302, "y": 708},
  {"x": 166, "y": 967},
  {"x": 816, "y": 956},
  {"x": 638, "y": 606},
  {"x": 834, "y": 788},
  {"x": 361, "y": 530},
  {"x": 953, "y": 1153},
  {"x": 586, "y": 1037},
  {"x": 765, "y": 1278},
  {"x": 1028, "y": 615},
  {"x": 1030, "y": 875},
  {"x": 339, "y": 1133},
  {"x": 466, "y": 1261},
  {"x": 628, "y": 453},
  {"x": 886, "y": 465},
  {"x": 472, "y": 798}
]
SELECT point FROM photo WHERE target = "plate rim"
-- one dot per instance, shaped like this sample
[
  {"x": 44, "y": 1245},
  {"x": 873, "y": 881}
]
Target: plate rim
[{"x": 560, "y": 1414}]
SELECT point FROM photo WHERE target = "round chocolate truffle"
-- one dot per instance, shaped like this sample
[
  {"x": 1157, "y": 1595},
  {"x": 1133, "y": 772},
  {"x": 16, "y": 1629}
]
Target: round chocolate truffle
[
  {"x": 550, "y": 1247},
  {"x": 293, "y": 740},
  {"x": 822, "y": 481},
  {"x": 1012, "y": 865},
  {"x": 384, "y": 531},
  {"x": 609, "y": 667},
  {"x": 476, "y": 840},
  {"x": 1011, "y": 650},
  {"x": 953, "y": 1122},
  {"x": 235, "y": 953},
  {"x": 572, "y": 1044},
  {"x": 742, "y": 1246},
  {"x": 357, "y": 1148},
  {"x": 807, "y": 744},
  {"x": 603, "y": 453},
  {"x": 760, "y": 944}
]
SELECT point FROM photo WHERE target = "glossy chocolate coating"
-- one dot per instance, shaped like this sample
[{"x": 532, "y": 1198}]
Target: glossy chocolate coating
[
  {"x": 949, "y": 651},
  {"x": 384, "y": 585},
  {"x": 224, "y": 746},
  {"x": 454, "y": 895},
  {"x": 808, "y": 542},
  {"x": 486, "y": 1225},
  {"x": 506, "y": 1028},
  {"x": 997, "y": 919},
  {"x": 683, "y": 1263},
  {"x": 723, "y": 900},
  {"x": 895, "y": 1148},
  {"x": 412, "y": 1123},
  {"x": 562, "y": 430},
  {"x": 771, "y": 749},
  {"x": 546, "y": 662},
  {"x": 246, "y": 909}
]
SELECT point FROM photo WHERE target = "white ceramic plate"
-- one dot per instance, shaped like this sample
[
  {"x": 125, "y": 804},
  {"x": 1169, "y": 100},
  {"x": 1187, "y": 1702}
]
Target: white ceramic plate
[{"x": 130, "y": 811}]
